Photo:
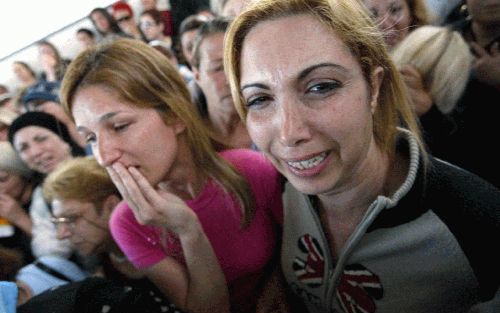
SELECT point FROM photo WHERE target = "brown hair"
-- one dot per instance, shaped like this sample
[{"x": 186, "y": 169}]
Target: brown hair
[{"x": 139, "y": 75}]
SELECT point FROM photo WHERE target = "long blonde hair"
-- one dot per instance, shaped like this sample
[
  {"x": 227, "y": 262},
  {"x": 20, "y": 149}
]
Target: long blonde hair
[
  {"x": 140, "y": 75},
  {"x": 443, "y": 59},
  {"x": 350, "y": 20}
]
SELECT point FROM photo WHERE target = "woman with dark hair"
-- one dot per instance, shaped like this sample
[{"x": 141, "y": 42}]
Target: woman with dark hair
[{"x": 105, "y": 24}]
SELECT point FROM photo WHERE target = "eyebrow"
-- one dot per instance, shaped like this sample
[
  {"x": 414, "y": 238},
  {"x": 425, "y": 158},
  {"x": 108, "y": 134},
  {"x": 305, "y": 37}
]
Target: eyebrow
[
  {"x": 105, "y": 117},
  {"x": 301, "y": 75}
]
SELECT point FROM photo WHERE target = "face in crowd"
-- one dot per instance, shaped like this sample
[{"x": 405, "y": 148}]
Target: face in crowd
[
  {"x": 41, "y": 149},
  {"x": 393, "y": 17},
  {"x": 310, "y": 112},
  {"x": 83, "y": 225},
  {"x": 210, "y": 74}
]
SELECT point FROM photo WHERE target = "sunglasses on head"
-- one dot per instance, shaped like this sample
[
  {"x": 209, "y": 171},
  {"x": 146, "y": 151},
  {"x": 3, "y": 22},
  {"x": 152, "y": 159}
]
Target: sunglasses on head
[{"x": 124, "y": 18}]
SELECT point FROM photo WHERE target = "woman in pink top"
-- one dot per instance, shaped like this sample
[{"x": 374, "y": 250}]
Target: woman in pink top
[{"x": 201, "y": 225}]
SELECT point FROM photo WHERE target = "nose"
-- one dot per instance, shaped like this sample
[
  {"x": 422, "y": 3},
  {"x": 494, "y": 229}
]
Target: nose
[
  {"x": 63, "y": 231},
  {"x": 33, "y": 151},
  {"x": 292, "y": 123},
  {"x": 388, "y": 21},
  {"x": 106, "y": 151}
]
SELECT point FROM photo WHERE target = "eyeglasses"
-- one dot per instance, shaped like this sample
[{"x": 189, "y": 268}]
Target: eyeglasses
[
  {"x": 69, "y": 220},
  {"x": 123, "y": 18},
  {"x": 147, "y": 24}
]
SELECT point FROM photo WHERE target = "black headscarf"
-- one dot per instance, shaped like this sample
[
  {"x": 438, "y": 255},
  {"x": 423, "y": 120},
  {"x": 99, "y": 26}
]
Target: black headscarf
[{"x": 48, "y": 121}]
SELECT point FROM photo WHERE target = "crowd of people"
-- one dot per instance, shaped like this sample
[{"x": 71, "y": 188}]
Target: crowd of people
[{"x": 256, "y": 156}]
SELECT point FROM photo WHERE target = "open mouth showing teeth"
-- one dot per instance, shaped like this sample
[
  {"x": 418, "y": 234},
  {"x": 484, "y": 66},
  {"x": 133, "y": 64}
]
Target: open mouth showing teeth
[{"x": 306, "y": 164}]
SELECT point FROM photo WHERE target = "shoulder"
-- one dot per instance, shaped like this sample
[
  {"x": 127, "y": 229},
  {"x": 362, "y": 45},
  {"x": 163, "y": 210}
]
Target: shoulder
[
  {"x": 122, "y": 215},
  {"x": 466, "y": 203},
  {"x": 260, "y": 174},
  {"x": 470, "y": 208},
  {"x": 460, "y": 187}
]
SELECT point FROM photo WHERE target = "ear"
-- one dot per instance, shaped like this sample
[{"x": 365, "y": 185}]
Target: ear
[
  {"x": 178, "y": 126},
  {"x": 68, "y": 147},
  {"x": 377, "y": 77},
  {"x": 196, "y": 74},
  {"x": 109, "y": 204}
]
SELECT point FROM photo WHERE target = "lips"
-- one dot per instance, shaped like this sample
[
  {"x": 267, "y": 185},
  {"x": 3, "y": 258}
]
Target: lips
[
  {"x": 309, "y": 166},
  {"x": 46, "y": 162},
  {"x": 308, "y": 163}
]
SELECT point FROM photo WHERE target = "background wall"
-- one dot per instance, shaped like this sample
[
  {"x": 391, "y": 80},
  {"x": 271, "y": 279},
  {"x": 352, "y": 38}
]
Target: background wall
[{"x": 54, "y": 20}]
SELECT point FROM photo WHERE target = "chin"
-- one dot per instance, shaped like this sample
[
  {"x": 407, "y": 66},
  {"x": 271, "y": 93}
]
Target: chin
[{"x": 308, "y": 188}]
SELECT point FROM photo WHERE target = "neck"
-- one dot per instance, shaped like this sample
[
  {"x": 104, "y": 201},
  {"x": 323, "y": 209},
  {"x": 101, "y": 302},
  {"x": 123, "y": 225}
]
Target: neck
[
  {"x": 223, "y": 122},
  {"x": 353, "y": 199},
  {"x": 185, "y": 179},
  {"x": 228, "y": 128}
]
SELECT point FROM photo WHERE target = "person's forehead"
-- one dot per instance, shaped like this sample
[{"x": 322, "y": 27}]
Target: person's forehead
[
  {"x": 68, "y": 206},
  {"x": 33, "y": 129},
  {"x": 120, "y": 13},
  {"x": 27, "y": 133},
  {"x": 214, "y": 43}
]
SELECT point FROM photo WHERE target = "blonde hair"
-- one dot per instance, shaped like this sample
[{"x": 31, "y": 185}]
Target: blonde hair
[
  {"x": 81, "y": 179},
  {"x": 443, "y": 59},
  {"x": 352, "y": 23},
  {"x": 139, "y": 75}
]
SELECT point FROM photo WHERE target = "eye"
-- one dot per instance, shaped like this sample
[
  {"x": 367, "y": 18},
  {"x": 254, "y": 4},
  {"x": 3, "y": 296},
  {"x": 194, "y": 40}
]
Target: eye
[
  {"x": 323, "y": 87},
  {"x": 217, "y": 69},
  {"x": 40, "y": 138},
  {"x": 90, "y": 138},
  {"x": 394, "y": 9},
  {"x": 257, "y": 101},
  {"x": 22, "y": 148},
  {"x": 120, "y": 126}
]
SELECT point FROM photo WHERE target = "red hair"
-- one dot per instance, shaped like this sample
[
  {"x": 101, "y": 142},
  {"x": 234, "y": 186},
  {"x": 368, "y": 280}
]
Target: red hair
[{"x": 120, "y": 5}]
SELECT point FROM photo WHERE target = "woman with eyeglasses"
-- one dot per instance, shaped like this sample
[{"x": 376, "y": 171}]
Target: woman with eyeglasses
[
  {"x": 151, "y": 24},
  {"x": 83, "y": 198}
]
